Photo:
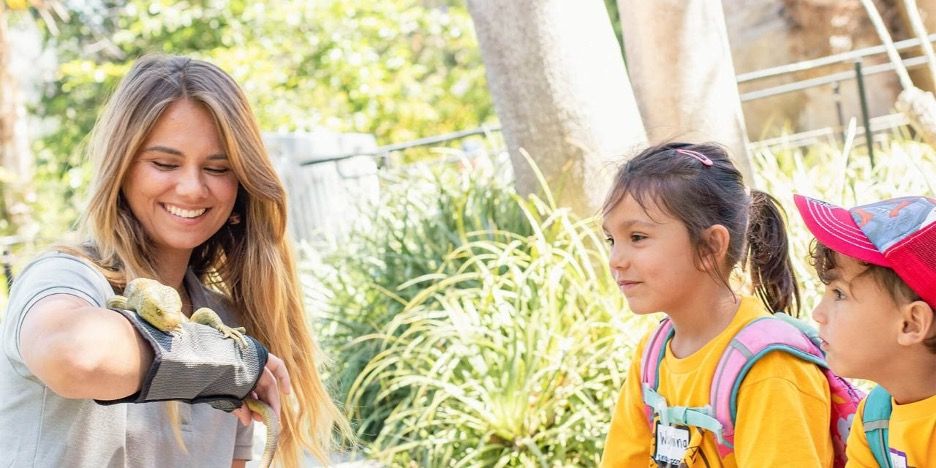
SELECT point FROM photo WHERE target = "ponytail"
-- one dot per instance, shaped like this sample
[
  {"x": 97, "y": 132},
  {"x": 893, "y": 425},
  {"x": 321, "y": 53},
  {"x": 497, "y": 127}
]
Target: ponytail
[
  {"x": 700, "y": 186},
  {"x": 768, "y": 255}
]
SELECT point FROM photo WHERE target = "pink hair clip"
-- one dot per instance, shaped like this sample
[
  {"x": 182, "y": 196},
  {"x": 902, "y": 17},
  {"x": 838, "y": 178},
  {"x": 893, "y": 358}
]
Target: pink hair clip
[{"x": 697, "y": 155}]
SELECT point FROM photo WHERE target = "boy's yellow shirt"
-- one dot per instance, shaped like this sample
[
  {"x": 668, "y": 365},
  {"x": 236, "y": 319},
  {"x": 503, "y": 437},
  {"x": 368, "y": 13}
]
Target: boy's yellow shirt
[
  {"x": 783, "y": 408},
  {"x": 911, "y": 435}
]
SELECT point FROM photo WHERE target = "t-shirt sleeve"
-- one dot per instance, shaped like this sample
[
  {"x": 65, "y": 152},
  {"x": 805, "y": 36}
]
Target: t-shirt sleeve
[
  {"x": 50, "y": 274},
  {"x": 629, "y": 437},
  {"x": 857, "y": 449},
  {"x": 784, "y": 409}
]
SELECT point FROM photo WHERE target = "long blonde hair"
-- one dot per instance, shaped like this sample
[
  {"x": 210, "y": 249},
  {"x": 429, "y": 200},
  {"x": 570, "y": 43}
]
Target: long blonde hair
[{"x": 251, "y": 261}]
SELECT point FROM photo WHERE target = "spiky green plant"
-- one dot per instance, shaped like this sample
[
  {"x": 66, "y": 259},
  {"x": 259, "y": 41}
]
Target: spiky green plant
[
  {"x": 464, "y": 311},
  {"x": 514, "y": 360},
  {"x": 425, "y": 212}
]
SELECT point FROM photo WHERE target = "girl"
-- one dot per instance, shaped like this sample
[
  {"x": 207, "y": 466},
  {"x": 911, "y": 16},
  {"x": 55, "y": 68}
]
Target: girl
[
  {"x": 184, "y": 193},
  {"x": 679, "y": 220}
]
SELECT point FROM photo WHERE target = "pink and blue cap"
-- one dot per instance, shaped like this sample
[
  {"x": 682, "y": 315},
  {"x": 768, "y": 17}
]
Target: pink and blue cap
[{"x": 899, "y": 233}]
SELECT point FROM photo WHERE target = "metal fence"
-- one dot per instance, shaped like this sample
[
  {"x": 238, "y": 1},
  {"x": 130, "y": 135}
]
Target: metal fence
[
  {"x": 853, "y": 58},
  {"x": 321, "y": 181}
]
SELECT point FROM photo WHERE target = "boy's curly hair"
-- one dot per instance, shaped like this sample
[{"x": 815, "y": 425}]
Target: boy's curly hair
[{"x": 823, "y": 259}]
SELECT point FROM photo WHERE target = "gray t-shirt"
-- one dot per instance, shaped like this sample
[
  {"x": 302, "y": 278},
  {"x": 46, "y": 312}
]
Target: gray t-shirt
[{"x": 38, "y": 428}]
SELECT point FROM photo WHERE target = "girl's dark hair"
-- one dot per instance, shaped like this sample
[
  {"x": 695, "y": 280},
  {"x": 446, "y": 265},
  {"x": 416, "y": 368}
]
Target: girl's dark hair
[{"x": 701, "y": 195}]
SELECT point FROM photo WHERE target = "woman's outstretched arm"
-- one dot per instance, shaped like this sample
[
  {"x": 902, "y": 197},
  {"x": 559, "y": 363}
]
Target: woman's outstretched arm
[{"x": 82, "y": 351}]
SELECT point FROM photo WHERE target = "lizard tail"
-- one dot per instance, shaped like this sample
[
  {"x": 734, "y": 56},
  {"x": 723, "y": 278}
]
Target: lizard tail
[
  {"x": 172, "y": 409},
  {"x": 271, "y": 421},
  {"x": 268, "y": 451}
]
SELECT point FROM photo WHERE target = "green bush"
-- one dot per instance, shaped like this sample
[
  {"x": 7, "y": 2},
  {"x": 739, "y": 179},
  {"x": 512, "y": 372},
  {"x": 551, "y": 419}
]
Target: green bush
[
  {"x": 473, "y": 326},
  {"x": 422, "y": 216}
]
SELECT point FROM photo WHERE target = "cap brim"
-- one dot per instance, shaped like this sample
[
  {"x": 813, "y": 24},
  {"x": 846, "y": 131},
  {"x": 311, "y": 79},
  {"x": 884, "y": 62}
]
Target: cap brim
[{"x": 835, "y": 228}]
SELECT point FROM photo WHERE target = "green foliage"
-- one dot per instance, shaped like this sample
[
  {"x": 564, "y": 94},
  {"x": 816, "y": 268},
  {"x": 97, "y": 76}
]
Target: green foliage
[
  {"x": 424, "y": 214},
  {"x": 399, "y": 69},
  {"x": 511, "y": 361},
  {"x": 474, "y": 327}
]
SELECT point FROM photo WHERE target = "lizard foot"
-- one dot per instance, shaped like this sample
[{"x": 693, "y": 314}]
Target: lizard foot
[
  {"x": 206, "y": 316},
  {"x": 235, "y": 334}
]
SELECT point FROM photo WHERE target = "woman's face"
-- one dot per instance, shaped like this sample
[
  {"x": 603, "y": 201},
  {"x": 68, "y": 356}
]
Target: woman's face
[{"x": 180, "y": 186}]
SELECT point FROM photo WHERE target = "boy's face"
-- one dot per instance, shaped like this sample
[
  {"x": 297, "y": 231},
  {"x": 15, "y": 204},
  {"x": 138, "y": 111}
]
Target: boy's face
[{"x": 858, "y": 322}]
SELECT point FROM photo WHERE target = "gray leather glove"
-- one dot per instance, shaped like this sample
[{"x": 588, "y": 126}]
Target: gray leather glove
[{"x": 196, "y": 365}]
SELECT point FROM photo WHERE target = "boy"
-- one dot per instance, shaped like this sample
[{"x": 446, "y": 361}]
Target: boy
[{"x": 876, "y": 320}]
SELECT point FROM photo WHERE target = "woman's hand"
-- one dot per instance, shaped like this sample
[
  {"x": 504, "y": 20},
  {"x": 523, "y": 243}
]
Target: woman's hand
[{"x": 273, "y": 381}]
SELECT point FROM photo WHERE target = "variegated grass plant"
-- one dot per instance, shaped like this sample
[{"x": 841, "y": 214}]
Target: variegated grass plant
[
  {"x": 513, "y": 360},
  {"x": 471, "y": 326}
]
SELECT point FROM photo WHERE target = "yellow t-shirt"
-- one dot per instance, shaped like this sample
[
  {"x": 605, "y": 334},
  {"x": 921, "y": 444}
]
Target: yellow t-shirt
[
  {"x": 783, "y": 408},
  {"x": 911, "y": 436}
]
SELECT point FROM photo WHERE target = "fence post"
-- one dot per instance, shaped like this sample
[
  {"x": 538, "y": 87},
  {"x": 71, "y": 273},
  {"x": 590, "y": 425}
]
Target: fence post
[
  {"x": 866, "y": 120},
  {"x": 324, "y": 198}
]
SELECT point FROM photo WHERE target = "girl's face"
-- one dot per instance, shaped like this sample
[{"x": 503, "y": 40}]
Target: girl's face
[
  {"x": 180, "y": 186},
  {"x": 652, "y": 259},
  {"x": 858, "y": 322}
]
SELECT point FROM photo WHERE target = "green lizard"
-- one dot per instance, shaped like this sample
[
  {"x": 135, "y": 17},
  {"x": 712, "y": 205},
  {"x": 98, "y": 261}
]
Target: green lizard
[{"x": 161, "y": 307}]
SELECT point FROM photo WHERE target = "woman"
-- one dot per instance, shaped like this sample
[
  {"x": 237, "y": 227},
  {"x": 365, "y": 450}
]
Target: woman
[{"x": 184, "y": 193}]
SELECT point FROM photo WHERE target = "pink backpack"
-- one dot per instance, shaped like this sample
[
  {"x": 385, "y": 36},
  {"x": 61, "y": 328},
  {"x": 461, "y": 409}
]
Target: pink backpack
[{"x": 756, "y": 339}]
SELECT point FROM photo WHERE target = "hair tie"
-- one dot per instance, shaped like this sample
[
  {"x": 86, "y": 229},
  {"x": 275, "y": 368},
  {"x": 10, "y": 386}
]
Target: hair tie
[{"x": 696, "y": 155}]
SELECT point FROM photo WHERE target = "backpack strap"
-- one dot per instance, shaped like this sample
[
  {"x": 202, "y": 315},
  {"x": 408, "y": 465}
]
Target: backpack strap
[
  {"x": 755, "y": 340},
  {"x": 681, "y": 415},
  {"x": 802, "y": 326},
  {"x": 655, "y": 403},
  {"x": 876, "y": 419},
  {"x": 845, "y": 396},
  {"x": 650, "y": 368},
  {"x": 650, "y": 362},
  {"x": 758, "y": 338},
  {"x": 654, "y": 351}
]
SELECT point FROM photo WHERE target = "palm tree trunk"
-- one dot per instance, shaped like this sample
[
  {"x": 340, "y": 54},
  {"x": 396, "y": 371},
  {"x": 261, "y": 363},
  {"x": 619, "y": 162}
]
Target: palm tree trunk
[
  {"x": 561, "y": 92},
  {"x": 683, "y": 76}
]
